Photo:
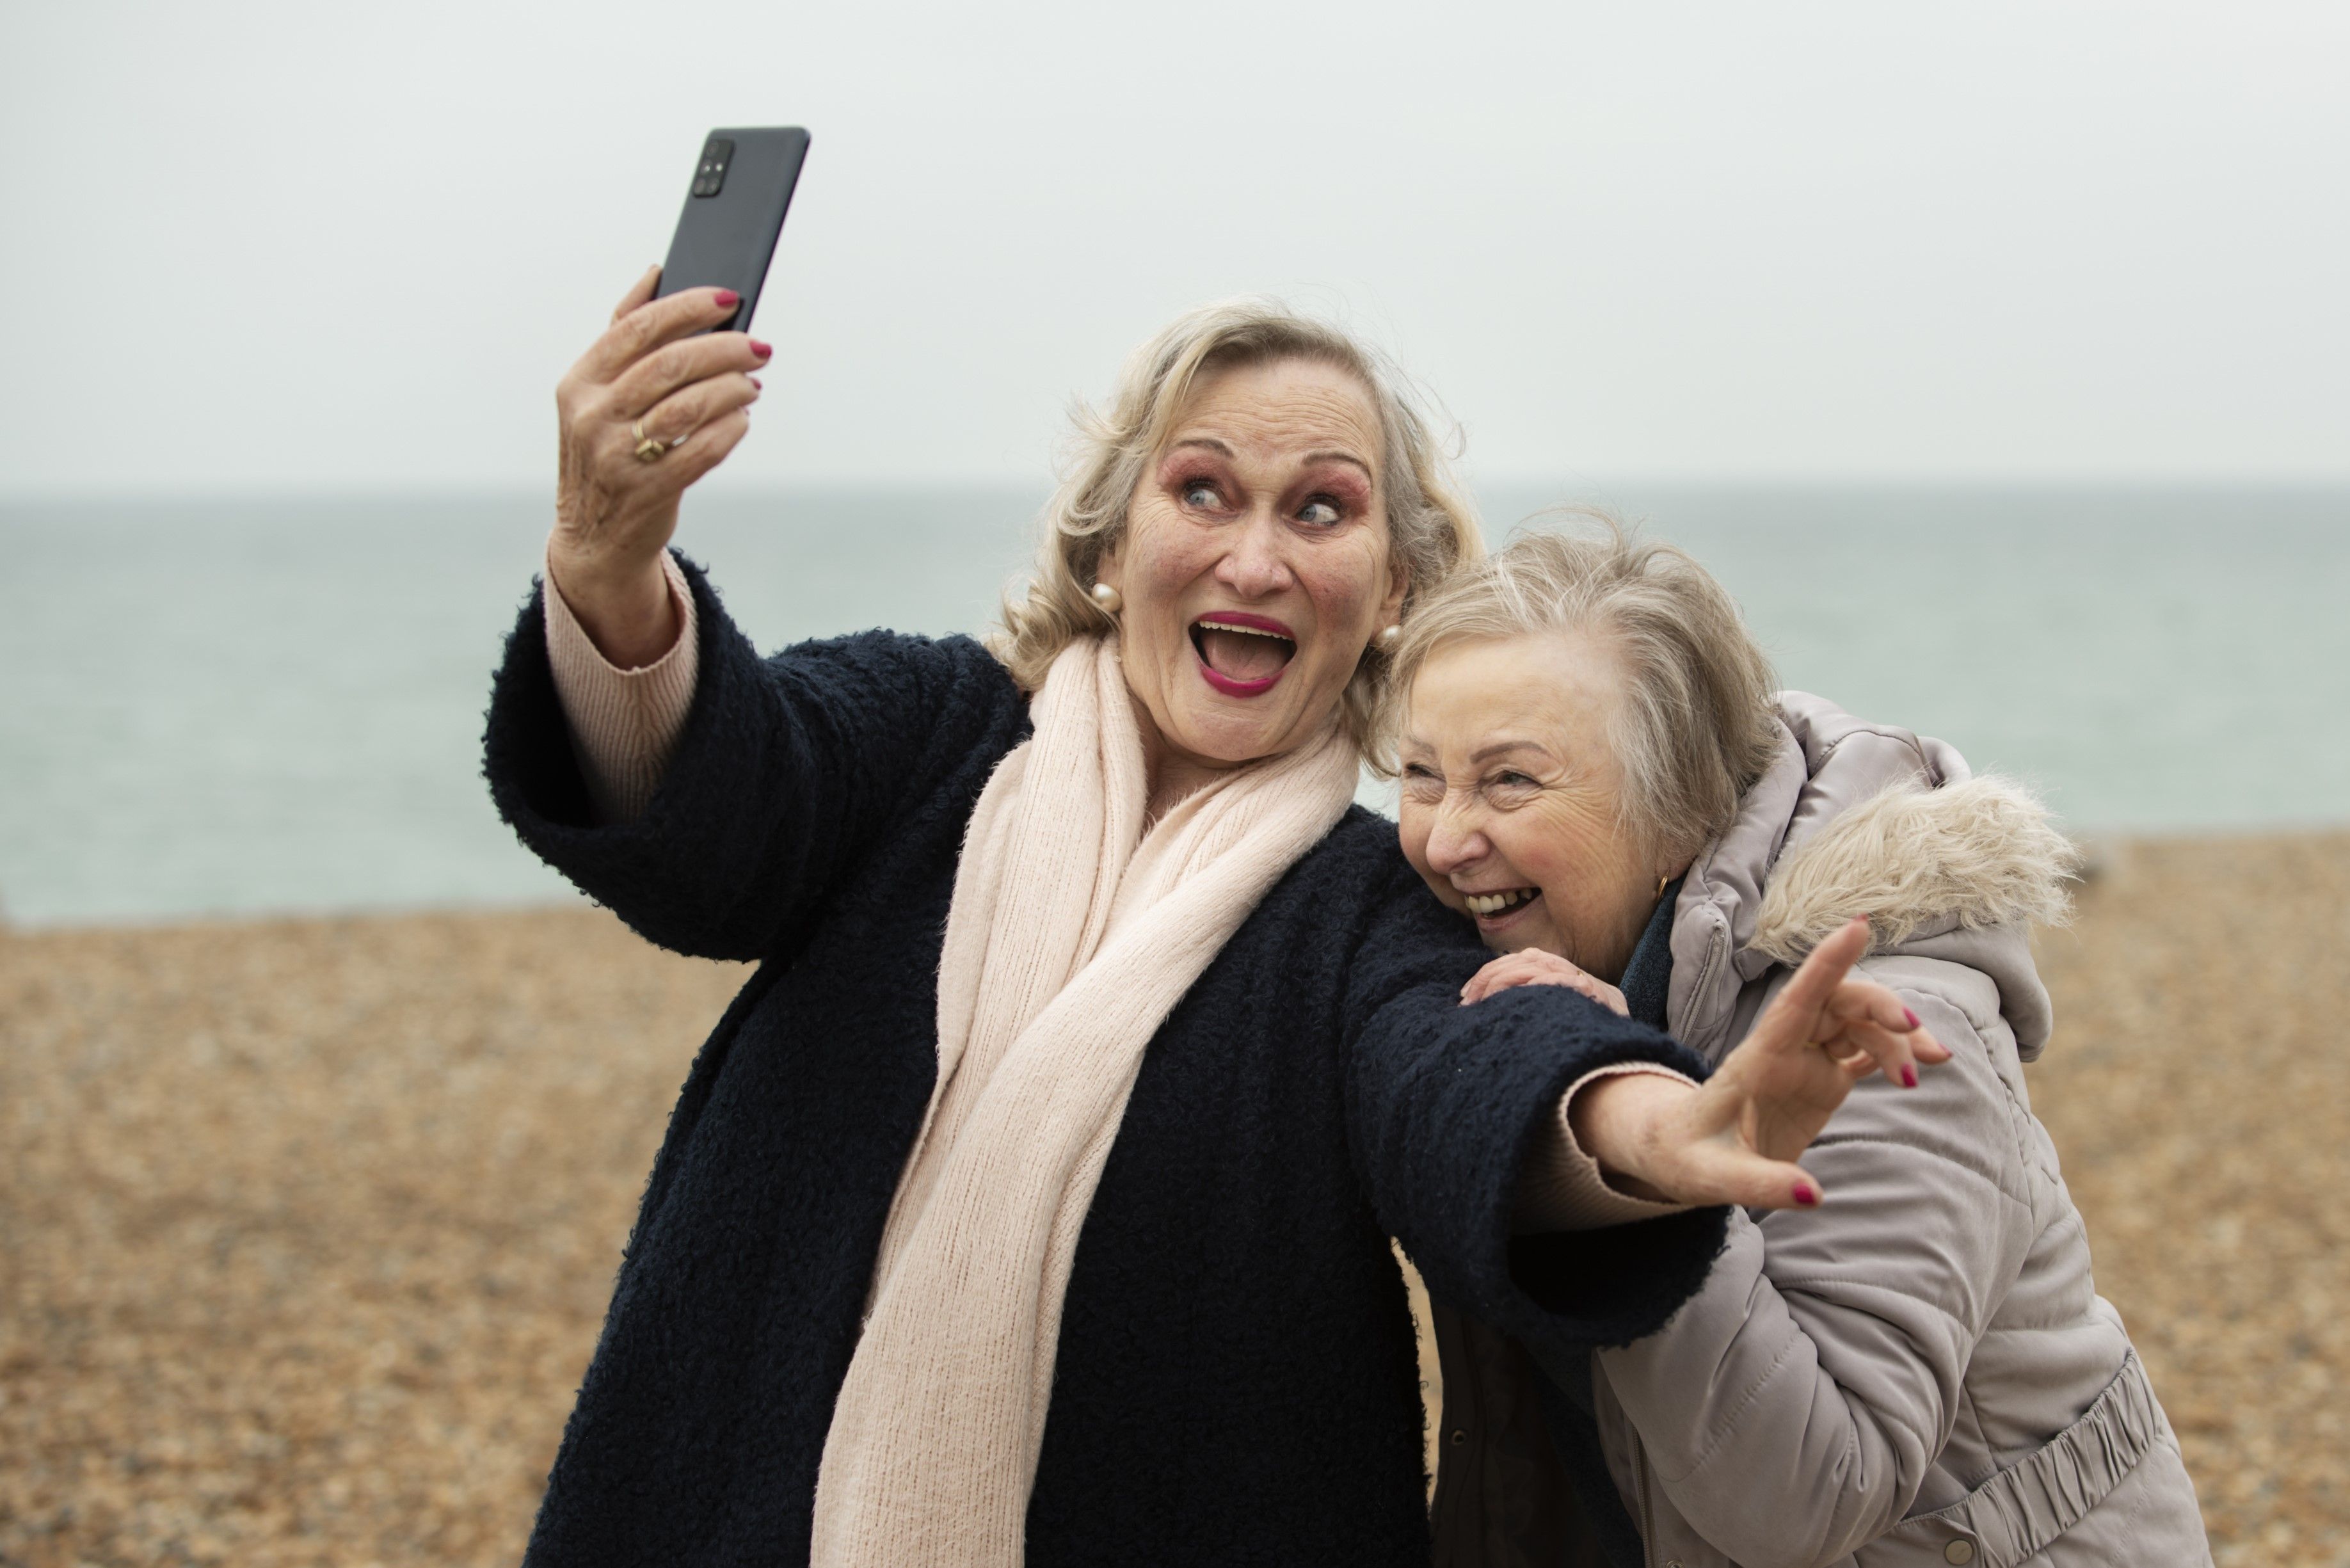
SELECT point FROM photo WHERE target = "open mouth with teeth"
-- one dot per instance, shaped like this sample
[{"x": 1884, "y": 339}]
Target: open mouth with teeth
[
  {"x": 1241, "y": 655},
  {"x": 1494, "y": 908}
]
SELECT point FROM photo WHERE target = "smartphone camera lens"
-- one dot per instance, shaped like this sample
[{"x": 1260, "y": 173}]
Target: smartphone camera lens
[{"x": 710, "y": 174}]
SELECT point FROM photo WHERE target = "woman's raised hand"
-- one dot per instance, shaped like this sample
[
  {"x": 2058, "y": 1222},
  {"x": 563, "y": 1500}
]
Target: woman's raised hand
[
  {"x": 1735, "y": 1137},
  {"x": 647, "y": 409}
]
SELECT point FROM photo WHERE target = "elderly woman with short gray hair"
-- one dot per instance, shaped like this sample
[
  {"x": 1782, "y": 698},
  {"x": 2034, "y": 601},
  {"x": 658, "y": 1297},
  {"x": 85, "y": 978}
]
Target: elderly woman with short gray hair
[
  {"x": 1596, "y": 771},
  {"x": 1031, "y": 1202}
]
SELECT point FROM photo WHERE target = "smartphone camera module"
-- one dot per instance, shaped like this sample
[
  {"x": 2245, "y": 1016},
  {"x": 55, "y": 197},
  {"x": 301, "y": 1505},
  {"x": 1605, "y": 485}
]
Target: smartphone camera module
[{"x": 709, "y": 175}]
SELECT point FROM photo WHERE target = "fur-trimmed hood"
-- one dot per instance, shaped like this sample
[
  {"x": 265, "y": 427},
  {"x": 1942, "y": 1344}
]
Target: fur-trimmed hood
[{"x": 1855, "y": 818}]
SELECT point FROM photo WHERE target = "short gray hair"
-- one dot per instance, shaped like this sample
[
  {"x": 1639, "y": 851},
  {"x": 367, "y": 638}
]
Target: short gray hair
[
  {"x": 1431, "y": 527},
  {"x": 1695, "y": 727}
]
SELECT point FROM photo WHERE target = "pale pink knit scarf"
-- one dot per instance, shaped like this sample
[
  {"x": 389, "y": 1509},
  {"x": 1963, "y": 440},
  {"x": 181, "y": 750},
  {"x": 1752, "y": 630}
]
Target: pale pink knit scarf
[{"x": 1073, "y": 933}]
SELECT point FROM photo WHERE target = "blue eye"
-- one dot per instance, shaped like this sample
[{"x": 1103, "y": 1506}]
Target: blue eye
[
  {"x": 1320, "y": 512},
  {"x": 1201, "y": 494}
]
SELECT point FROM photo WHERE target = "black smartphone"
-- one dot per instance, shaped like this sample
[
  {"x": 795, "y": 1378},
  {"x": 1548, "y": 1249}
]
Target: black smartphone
[{"x": 727, "y": 235}]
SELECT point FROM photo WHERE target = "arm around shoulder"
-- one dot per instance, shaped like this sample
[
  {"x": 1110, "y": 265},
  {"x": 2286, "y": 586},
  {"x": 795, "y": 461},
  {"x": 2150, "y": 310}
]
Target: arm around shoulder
[{"x": 1448, "y": 1103}]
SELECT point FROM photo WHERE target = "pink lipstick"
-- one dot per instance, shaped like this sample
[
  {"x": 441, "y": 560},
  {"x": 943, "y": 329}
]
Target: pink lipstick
[{"x": 1234, "y": 628}]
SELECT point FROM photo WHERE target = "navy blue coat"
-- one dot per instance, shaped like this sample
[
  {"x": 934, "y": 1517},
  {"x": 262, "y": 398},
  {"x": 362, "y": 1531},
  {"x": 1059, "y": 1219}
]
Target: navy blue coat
[{"x": 1236, "y": 1379}]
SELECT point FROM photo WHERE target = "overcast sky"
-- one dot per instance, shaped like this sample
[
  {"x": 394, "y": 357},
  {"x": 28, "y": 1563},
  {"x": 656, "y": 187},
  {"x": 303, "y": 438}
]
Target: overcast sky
[{"x": 344, "y": 246}]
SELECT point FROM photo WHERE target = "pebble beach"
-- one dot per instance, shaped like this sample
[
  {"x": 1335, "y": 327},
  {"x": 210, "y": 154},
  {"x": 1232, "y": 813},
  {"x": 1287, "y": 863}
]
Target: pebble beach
[{"x": 307, "y": 1226}]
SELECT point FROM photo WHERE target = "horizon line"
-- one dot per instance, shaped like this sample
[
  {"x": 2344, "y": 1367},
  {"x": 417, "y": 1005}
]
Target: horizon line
[{"x": 1582, "y": 483}]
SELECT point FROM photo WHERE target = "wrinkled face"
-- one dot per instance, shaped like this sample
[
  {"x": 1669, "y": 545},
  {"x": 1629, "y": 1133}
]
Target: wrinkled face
[
  {"x": 1254, "y": 564},
  {"x": 1509, "y": 797}
]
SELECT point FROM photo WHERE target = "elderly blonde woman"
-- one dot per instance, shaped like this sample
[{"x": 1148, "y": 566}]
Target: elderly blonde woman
[
  {"x": 1031, "y": 1201},
  {"x": 1596, "y": 773}
]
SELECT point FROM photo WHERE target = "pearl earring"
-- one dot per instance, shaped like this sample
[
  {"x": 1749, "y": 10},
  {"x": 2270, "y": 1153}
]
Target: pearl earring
[
  {"x": 1388, "y": 637},
  {"x": 1109, "y": 598}
]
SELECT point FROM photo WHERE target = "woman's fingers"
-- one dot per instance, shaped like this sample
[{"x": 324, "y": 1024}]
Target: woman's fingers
[
  {"x": 674, "y": 366},
  {"x": 639, "y": 292},
  {"x": 648, "y": 326},
  {"x": 1825, "y": 968},
  {"x": 683, "y": 413},
  {"x": 706, "y": 448},
  {"x": 1533, "y": 966},
  {"x": 1502, "y": 974},
  {"x": 1793, "y": 1020},
  {"x": 1864, "y": 1016},
  {"x": 1826, "y": 1005},
  {"x": 1864, "y": 999},
  {"x": 1498, "y": 974},
  {"x": 1895, "y": 1052},
  {"x": 1721, "y": 1171},
  {"x": 680, "y": 389},
  {"x": 1858, "y": 1065}
]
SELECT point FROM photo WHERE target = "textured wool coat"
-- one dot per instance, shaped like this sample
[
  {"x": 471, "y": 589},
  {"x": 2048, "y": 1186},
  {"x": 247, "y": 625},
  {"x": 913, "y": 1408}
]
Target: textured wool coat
[{"x": 1236, "y": 1379}]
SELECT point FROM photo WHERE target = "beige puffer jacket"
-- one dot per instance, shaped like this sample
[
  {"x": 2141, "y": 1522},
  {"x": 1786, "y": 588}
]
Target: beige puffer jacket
[{"x": 1920, "y": 1373}]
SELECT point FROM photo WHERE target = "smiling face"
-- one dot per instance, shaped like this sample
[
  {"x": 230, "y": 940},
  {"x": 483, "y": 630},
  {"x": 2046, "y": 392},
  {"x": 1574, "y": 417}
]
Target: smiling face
[
  {"x": 1510, "y": 795},
  {"x": 1254, "y": 564}
]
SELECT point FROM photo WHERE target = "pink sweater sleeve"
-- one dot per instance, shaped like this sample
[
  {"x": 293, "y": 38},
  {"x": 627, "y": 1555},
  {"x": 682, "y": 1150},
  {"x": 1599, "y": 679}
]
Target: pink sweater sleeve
[
  {"x": 1562, "y": 1189},
  {"x": 624, "y": 723}
]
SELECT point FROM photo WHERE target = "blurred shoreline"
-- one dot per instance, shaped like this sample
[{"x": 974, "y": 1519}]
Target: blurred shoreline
[
  {"x": 284, "y": 711},
  {"x": 310, "y": 1223}
]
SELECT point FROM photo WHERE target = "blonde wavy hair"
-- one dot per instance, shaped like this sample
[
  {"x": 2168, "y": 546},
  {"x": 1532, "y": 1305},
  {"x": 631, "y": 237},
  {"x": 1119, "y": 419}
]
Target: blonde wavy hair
[
  {"x": 1431, "y": 528},
  {"x": 1695, "y": 727}
]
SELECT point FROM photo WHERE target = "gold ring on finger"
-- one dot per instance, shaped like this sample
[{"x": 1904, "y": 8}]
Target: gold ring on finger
[{"x": 649, "y": 448}]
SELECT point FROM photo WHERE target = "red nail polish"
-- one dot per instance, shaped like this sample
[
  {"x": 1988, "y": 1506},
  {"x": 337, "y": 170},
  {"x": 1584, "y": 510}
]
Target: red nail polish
[
  {"x": 1908, "y": 1076},
  {"x": 761, "y": 350},
  {"x": 1910, "y": 1016},
  {"x": 1807, "y": 1195},
  {"x": 758, "y": 383},
  {"x": 728, "y": 297}
]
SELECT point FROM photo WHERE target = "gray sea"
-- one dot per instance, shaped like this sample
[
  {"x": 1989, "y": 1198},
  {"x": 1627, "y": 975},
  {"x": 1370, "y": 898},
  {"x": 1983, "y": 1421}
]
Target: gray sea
[{"x": 238, "y": 707}]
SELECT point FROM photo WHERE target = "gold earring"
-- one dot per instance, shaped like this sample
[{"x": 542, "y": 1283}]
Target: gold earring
[
  {"x": 1109, "y": 598},
  {"x": 1660, "y": 886}
]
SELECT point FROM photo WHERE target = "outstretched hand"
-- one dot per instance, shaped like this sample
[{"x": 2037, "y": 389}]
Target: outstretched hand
[{"x": 1734, "y": 1138}]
